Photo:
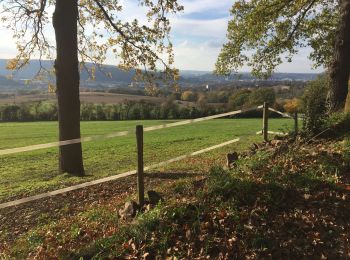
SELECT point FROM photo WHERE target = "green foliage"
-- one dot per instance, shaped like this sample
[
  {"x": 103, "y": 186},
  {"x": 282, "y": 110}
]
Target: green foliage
[
  {"x": 37, "y": 111},
  {"x": 247, "y": 98},
  {"x": 276, "y": 29},
  {"x": 75, "y": 231},
  {"x": 188, "y": 96},
  {"x": 261, "y": 95},
  {"x": 239, "y": 99},
  {"x": 218, "y": 96},
  {"x": 339, "y": 123},
  {"x": 313, "y": 104},
  {"x": 34, "y": 239},
  {"x": 127, "y": 110}
]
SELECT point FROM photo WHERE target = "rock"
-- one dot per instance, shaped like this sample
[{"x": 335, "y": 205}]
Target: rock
[
  {"x": 231, "y": 159},
  {"x": 129, "y": 210},
  {"x": 154, "y": 197}
]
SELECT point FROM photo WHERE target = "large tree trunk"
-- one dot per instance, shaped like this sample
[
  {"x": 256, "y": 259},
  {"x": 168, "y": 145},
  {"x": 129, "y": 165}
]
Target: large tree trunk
[
  {"x": 347, "y": 104},
  {"x": 340, "y": 66},
  {"x": 65, "y": 20}
]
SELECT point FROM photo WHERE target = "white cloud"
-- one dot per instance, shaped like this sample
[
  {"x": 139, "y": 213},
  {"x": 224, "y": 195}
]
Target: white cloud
[
  {"x": 189, "y": 56},
  {"x": 198, "y": 41},
  {"x": 205, "y": 28},
  {"x": 196, "y": 6}
]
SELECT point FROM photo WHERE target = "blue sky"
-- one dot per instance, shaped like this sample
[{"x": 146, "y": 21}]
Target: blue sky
[{"x": 197, "y": 33}]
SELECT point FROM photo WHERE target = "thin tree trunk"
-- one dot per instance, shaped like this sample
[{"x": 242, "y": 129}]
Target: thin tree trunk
[
  {"x": 67, "y": 80},
  {"x": 340, "y": 66}
]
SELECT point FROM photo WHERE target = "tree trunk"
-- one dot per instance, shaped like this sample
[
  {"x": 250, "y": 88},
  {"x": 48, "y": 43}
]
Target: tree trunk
[
  {"x": 347, "y": 104},
  {"x": 65, "y": 20},
  {"x": 340, "y": 66}
]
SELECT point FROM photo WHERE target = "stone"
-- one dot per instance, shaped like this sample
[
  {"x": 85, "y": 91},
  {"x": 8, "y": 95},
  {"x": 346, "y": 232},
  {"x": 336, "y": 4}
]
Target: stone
[{"x": 129, "y": 210}]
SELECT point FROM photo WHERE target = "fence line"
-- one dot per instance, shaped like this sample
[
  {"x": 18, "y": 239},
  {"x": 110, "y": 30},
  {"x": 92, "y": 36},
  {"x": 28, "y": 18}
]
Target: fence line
[
  {"x": 271, "y": 133},
  {"x": 279, "y": 112},
  {"x": 189, "y": 121},
  {"x": 118, "y": 134},
  {"x": 110, "y": 178}
]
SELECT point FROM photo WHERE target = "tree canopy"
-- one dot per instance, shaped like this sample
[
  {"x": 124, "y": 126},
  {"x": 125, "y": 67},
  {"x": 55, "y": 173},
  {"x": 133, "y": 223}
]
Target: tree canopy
[
  {"x": 145, "y": 46},
  {"x": 263, "y": 34},
  {"x": 87, "y": 30}
]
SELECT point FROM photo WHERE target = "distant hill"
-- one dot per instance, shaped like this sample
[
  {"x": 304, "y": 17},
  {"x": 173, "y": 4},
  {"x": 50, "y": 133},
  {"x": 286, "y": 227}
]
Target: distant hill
[
  {"x": 208, "y": 76},
  {"x": 120, "y": 77},
  {"x": 6, "y": 83},
  {"x": 29, "y": 71}
]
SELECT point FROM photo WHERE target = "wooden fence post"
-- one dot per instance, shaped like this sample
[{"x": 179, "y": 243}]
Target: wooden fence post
[
  {"x": 296, "y": 128},
  {"x": 140, "y": 169},
  {"x": 266, "y": 121}
]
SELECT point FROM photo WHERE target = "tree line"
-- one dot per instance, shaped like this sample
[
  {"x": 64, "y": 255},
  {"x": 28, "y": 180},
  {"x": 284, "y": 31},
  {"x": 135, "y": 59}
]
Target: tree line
[
  {"x": 269, "y": 29},
  {"x": 127, "y": 110}
]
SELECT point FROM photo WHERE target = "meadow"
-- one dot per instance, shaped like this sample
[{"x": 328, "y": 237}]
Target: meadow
[{"x": 29, "y": 173}]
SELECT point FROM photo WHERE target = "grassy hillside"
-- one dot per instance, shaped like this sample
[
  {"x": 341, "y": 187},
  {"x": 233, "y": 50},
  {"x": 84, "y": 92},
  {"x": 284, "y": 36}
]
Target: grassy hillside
[
  {"x": 31, "y": 172},
  {"x": 283, "y": 200}
]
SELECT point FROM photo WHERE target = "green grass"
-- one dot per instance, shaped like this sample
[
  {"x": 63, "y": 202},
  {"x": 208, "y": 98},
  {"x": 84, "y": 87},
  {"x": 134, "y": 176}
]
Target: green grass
[{"x": 32, "y": 172}]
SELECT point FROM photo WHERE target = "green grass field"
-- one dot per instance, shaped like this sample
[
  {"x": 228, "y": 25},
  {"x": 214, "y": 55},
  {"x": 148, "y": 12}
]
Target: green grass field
[{"x": 29, "y": 173}]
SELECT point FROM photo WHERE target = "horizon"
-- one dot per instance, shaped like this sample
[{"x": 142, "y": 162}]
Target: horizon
[
  {"x": 193, "y": 70},
  {"x": 197, "y": 34}
]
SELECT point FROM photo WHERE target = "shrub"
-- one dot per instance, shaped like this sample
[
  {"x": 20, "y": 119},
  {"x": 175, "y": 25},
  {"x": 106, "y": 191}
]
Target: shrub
[
  {"x": 338, "y": 123},
  {"x": 313, "y": 103},
  {"x": 239, "y": 99},
  {"x": 188, "y": 96},
  {"x": 292, "y": 105},
  {"x": 261, "y": 95}
]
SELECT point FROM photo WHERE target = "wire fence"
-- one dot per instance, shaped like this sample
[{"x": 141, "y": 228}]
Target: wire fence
[{"x": 119, "y": 134}]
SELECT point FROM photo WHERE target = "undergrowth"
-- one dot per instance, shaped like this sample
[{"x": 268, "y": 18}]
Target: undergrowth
[{"x": 264, "y": 207}]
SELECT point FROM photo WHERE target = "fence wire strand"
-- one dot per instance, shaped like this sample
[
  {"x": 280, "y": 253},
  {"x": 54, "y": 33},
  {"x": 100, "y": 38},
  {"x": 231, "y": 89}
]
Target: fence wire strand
[
  {"x": 111, "y": 178},
  {"x": 118, "y": 134}
]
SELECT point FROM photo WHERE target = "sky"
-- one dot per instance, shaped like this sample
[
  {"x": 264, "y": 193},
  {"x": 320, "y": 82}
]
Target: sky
[{"x": 198, "y": 34}]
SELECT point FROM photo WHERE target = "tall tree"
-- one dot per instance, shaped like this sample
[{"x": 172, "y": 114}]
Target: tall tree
[
  {"x": 65, "y": 20},
  {"x": 340, "y": 65},
  {"x": 262, "y": 34},
  {"x": 87, "y": 30}
]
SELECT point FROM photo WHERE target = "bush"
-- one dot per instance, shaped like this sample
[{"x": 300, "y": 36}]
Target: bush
[
  {"x": 338, "y": 123},
  {"x": 261, "y": 95},
  {"x": 292, "y": 105},
  {"x": 188, "y": 96},
  {"x": 239, "y": 99},
  {"x": 313, "y": 103}
]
